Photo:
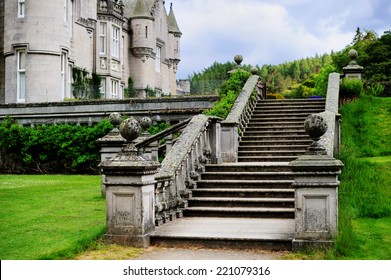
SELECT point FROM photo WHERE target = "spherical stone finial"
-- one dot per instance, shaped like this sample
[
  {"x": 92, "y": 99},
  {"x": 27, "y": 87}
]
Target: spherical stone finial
[
  {"x": 238, "y": 59},
  {"x": 115, "y": 119},
  {"x": 130, "y": 129},
  {"x": 315, "y": 126},
  {"x": 353, "y": 54},
  {"x": 145, "y": 123},
  {"x": 254, "y": 70}
]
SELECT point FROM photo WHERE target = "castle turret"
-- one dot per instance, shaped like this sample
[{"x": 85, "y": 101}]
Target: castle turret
[{"x": 174, "y": 36}]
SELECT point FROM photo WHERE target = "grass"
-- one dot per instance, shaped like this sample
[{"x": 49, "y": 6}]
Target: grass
[
  {"x": 49, "y": 216},
  {"x": 365, "y": 190}
]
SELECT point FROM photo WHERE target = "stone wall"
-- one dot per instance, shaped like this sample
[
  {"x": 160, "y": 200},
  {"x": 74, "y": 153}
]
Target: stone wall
[{"x": 92, "y": 111}]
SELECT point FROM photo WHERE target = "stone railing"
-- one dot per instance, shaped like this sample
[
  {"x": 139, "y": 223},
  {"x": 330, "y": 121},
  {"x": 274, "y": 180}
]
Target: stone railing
[
  {"x": 182, "y": 166},
  {"x": 331, "y": 139},
  {"x": 234, "y": 125},
  {"x": 88, "y": 112}
]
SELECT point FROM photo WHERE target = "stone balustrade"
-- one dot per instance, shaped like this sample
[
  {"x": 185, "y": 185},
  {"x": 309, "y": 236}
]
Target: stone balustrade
[
  {"x": 182, "y": 166},
  {"x": 235, "y": 123}
]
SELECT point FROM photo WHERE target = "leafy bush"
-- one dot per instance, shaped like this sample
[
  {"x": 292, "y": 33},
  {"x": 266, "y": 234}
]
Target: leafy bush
[
  {"x": 52, "y": 148},
  {"x": 229, "y": 91},
  {"x": 351, "y": 89},
  {"x": 130, "y": 91},
  {"x": 274, "y": 96}
]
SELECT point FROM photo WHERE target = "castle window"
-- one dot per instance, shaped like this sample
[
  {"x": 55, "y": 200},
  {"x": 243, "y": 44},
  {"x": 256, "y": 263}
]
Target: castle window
[
  {"x": 63, "y": 74},
  {"x": 158, "y": 58},
  {"x": 65, "y": 10},
  {"x": 21, "y": 75},
  {"x": 114, "y": 89},
  {"x": 102, "y": 38},
  {"x": 146, "y": 32},
  {"x": 115, "y": 42},
  {"x": 102, "y": 87},
  {"x": 21, "y": 6}
]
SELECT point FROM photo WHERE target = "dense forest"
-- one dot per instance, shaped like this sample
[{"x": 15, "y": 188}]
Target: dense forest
[{"x": 308, "y": 76}]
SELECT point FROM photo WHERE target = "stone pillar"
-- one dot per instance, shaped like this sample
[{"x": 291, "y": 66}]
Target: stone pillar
[
  {"x": 316, "y": 191},
  {"x": 111, "y": 144},
  {"x": 145, "y": 123},
  {"x": 353, "y": 70},
  {"x": 229, "y": 141},
  {"x": 130, "y": 192},
  {"x": 215, "y": 141}
]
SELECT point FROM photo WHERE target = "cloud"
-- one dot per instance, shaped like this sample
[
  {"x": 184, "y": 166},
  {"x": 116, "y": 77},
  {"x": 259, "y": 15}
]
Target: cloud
[{"x": 267, "y": 32}]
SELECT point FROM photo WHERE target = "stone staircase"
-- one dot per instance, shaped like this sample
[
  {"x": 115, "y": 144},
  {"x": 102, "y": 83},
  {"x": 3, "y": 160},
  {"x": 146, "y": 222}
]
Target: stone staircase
[{"x": 254, "y": 192}]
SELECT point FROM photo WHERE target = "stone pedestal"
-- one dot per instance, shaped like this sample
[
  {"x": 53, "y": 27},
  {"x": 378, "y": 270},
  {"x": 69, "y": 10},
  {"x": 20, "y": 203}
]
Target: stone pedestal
[
  {"x": 229, "y": 142},
  {"x": 316, "y": 192},
  {"x": 130, "y": 193},
  {"x": 353, "y": 70},
  {"x": 111, "y": 144}
]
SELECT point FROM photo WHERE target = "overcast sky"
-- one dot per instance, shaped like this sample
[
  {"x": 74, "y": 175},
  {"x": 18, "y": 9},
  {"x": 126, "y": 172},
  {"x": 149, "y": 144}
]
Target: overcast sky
[{"x": 270, "y": 31}]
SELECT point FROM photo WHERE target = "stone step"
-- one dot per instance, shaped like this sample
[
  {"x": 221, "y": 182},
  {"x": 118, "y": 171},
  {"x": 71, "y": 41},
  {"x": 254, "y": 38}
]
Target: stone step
[
  {"x": 269, "y": 127},
  {"x": 239, "y": 212},
  {"x": 275, "y": 132},
  {"x": 247, "y": 176},
  {"x": 292, "y": 101},
  {"x": 241, "y": 192},
  {"x": 271, "y": 153},
  {"x": 286, "y": 138},
  {"x": 273, "y": 148},
  {"x": 266, "y": 234},
  {"x": 251, "y": 202},
  {"x": 277, "y": 124},
  {"x": 267, "y": 158},
  {"x": 277, "y": 119},
  {"x": 219, "y": 183},
  {"x": 316, "y": 107},
  {"x": 280, "y": 111},
  {"x": 248, "y": 167},
  {"x": 272, "y": 142}
]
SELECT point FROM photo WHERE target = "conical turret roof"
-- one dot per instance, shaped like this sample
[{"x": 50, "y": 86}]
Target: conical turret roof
[
  {"x": 138, "y": 8},
  {"x": 172, "y": 23}
]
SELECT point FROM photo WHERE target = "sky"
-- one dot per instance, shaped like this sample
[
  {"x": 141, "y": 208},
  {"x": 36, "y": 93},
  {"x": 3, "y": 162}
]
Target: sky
[{"x": 270, "y": 31}]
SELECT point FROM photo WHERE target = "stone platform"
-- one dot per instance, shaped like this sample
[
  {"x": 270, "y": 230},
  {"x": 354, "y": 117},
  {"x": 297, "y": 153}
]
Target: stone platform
[{"x": 272, "y": 234}]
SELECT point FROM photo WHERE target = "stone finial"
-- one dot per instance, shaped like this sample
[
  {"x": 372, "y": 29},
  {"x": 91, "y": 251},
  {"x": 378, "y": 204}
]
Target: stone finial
[
  {"x": 254, "y": 70},
  {"x": 316, "y": 127},
  {"x": 238, "y": 59},
  {"x": 115, "y": 119},
  {"x": 145, "y": 123},
  {"x": 130, "y": 129},
  {"x": 353, "y": 70},
  {"x": 353, "y": 55}
]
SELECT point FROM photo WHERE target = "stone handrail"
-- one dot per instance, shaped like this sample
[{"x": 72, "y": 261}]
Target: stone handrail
[
  {"x": 332, "y": 139},
  {"x": 234, "y": 125},
  {"x": 181, "y": 168},
  {"x": 244, "y": 104}
]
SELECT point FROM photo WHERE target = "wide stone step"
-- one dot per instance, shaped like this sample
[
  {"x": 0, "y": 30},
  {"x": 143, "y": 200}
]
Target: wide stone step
[
  {"x": 315, "y": 107},
  {"x": 265, "y": 128},
  {"x": 236, "y": 184},
  {"x": 280, "y": 124},
  {"x": 239, "y": 212},
  {"x": 280, "y": 113},
  {"x": 274, "y": 153},
  {"x": 275, "y": 132},
  {"x": 267, "y": 158},
  {"x": 273, "y": 148},
  {"x": 286, "y": 138},
  {"x": 272, "y": 142},
  {"x": 277, "y": 119},
  {"x": 247, "y": 176},
  {"x": 292, "y": 101},
  {"x": 248, "y": 167},
  {"x": 267, "y": 234},
  {"x": 251, "y": 202},
  {"x": 245, "y": 192}
]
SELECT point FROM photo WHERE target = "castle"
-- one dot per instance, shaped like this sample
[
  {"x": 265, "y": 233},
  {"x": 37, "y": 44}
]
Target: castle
[{"x": 46, "y": 45}]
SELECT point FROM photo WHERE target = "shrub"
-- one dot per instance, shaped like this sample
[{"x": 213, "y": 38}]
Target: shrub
[
  {"x": 51, "y": 149},
  {"x": 351, "y": 89},
  {"x": 229, "y": 91}
]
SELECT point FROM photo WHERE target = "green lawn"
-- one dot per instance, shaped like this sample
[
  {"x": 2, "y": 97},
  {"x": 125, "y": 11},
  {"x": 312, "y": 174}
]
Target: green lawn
[{"x": 49, "y": 216}]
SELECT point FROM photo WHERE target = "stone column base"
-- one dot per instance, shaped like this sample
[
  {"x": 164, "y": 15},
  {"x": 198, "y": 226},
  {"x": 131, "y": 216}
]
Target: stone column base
[
  {"x": 302, "y": 244},
  {"x": 142, "y": 241}
]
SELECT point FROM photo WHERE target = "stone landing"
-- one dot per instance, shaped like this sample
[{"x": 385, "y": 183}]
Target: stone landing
[{"x": 270, "y": 234}]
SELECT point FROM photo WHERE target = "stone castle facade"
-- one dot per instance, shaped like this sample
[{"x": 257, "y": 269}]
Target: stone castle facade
[{"x": 43, "y": 42}]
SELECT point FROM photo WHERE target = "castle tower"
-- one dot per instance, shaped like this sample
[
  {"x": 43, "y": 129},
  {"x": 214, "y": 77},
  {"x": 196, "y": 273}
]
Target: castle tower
[{"x": 142, "y": 46}]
